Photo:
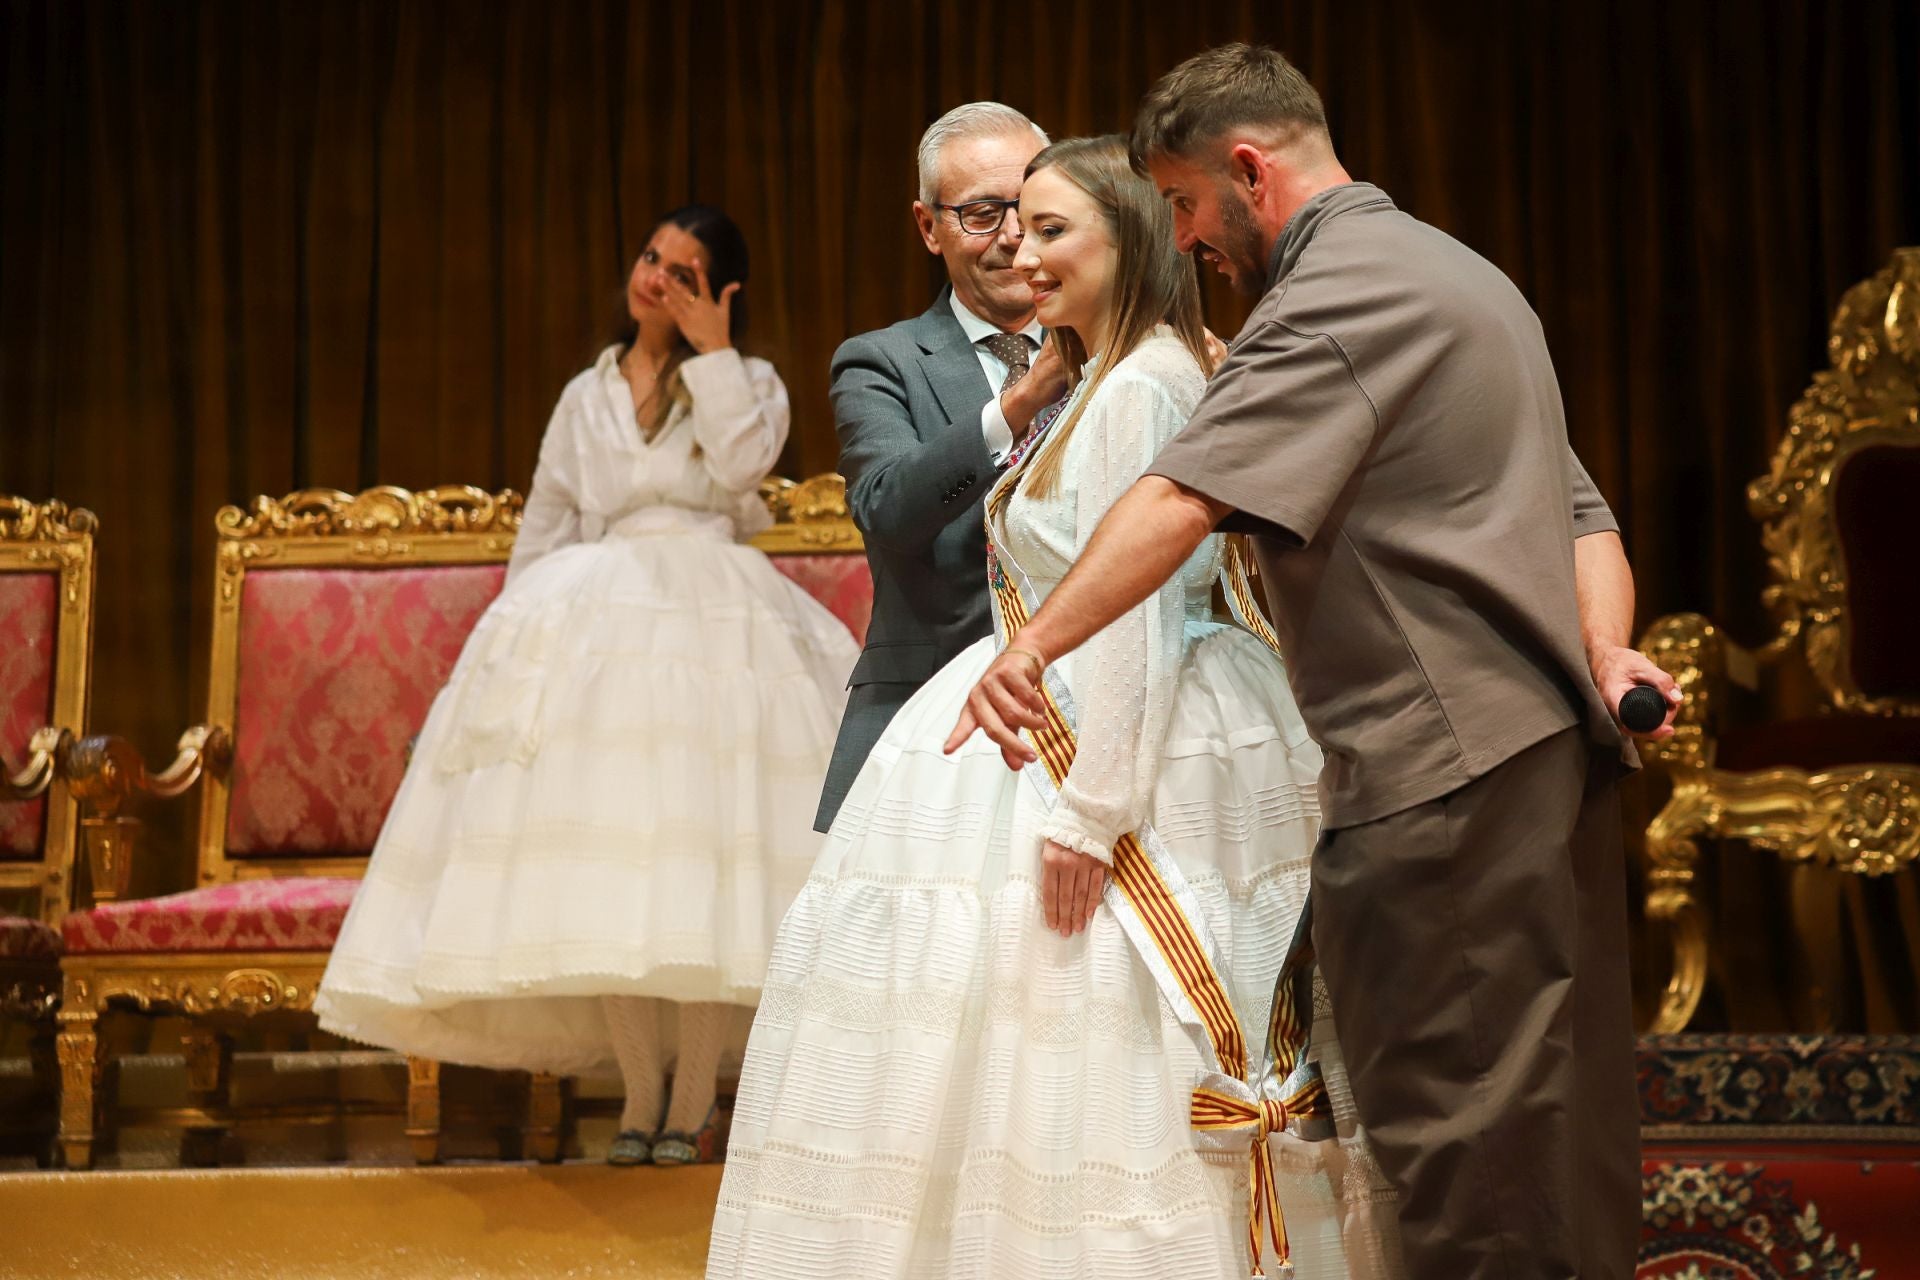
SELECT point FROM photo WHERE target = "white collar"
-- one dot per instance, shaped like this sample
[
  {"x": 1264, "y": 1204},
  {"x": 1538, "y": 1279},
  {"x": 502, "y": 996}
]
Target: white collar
[{"x": 978, "y": 329}]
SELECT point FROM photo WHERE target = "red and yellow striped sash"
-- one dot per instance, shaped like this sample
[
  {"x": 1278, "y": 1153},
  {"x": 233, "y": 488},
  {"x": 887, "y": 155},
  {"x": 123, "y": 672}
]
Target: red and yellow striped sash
[
  {"x": 1135, "y": 876},
  {"x": 1175, "y": 937},
  {"x": 1216, "y": 1112}
]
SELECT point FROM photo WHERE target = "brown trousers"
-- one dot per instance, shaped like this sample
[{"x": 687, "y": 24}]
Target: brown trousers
[{"x": 1476, "y": 951}]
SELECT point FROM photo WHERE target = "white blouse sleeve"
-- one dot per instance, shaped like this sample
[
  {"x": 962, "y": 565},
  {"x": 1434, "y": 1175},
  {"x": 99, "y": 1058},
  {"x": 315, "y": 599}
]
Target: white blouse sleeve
[
  {"x": 740, "y": 416},
  {"x": 1123, "y": 678},
  {"x": 551, "y": 518}
]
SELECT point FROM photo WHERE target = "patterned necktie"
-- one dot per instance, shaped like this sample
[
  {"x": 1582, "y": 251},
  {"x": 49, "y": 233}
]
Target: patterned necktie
[{"x": 1013, "y": 350}]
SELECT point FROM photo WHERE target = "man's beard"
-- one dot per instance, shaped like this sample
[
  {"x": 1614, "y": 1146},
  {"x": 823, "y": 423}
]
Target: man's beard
[{"x": 1242, "y": 243}]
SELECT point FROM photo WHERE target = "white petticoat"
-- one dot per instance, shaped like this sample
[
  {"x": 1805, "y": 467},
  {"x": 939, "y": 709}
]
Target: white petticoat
[
  {"x": 938, "y": 1086},
  {"x": 613, "y": 795}
]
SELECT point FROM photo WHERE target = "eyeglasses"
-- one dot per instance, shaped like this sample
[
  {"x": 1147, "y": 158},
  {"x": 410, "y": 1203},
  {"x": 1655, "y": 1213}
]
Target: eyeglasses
[{"x": 981, "y": 217}]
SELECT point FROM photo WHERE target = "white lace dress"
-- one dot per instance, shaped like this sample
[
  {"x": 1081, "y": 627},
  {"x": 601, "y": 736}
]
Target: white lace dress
[
  {"x": 614, "y": 793},
  {"x": 938, "y": 1086}
]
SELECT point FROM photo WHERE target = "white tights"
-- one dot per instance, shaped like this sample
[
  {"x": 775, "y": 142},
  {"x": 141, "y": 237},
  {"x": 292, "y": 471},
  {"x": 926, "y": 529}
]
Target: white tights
[{"x": 635, "y": 1022}]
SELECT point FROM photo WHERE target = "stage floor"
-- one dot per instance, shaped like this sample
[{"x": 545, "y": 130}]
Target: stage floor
[{"x": 583, "y": 1221}]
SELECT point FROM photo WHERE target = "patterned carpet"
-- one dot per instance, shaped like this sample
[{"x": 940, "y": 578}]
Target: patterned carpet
[{"x": 1780, "y": 1158}]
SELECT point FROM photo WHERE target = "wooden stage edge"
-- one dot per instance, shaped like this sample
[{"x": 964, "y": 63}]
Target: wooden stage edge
[{"x": 582, "y": 1221}]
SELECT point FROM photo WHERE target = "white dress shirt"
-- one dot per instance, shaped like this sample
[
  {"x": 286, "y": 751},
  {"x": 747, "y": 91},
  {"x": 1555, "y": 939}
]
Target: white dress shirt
[{"x": 993, "y": 420}]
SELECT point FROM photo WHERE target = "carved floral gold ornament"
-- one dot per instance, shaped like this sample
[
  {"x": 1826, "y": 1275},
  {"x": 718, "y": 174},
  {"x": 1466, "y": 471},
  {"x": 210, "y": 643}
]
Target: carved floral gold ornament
[{"x": 808, "y": 516}]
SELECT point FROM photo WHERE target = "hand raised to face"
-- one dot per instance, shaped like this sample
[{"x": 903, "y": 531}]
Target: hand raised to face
[{"x": 705, "y": 321}]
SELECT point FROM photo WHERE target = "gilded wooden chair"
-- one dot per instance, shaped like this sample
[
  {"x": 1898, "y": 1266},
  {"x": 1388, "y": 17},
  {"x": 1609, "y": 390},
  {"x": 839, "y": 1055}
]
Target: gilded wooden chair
[
  {"x": 814, "y": 542},
  {"x": 336, "y": 619},
  {"x": 1839, "y": 788},
  {"x": 46, "y": 639}
]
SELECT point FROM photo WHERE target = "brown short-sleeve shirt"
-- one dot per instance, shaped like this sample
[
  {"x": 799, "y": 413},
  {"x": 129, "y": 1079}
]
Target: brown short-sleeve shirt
[{"x": 1389, "y": 425}]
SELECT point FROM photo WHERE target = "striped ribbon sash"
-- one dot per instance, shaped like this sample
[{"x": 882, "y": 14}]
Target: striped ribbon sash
[{"x": 1239, "y": 1094}]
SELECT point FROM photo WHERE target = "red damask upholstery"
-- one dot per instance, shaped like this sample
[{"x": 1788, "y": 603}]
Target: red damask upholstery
[
  {"x": 842, "y": 583},
  {"x": 1870, "y": 504},
  {"x": 338, "y": 668},
  {"x": 1817, "y": 743},
  {"x": 29, "y": 615},
  {"x": 289, "y": 913},
  {"x": 24, "y": 939}
]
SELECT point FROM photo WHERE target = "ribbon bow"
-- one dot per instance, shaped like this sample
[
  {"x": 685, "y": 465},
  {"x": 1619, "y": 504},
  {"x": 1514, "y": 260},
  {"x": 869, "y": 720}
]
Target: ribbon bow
[{"x": 1215, "y": 1110}]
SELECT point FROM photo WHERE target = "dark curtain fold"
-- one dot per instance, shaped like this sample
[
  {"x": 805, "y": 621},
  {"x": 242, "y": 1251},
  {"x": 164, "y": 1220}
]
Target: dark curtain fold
[{"x": 252, "y": 247}]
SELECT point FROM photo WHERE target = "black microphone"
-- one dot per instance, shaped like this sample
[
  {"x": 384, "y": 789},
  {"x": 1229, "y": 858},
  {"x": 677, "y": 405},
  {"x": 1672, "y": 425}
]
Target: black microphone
[{"x": 1643, "y": 709}]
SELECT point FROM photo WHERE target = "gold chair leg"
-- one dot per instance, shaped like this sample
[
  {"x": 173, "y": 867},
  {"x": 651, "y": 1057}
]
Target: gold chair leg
[
  {"x": 209, "y": 1075},
  {"x": 546, "y": 1117},
  {"x": 423, "y": 1109},
  {"x": 1674, "y": 853},
  {"x": 79, "y": 1053}
]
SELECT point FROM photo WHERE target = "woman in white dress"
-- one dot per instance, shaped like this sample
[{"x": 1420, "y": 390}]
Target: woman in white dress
[
  {"x": 968, "y": 1060},
  {"x": 611, "y": 802}
]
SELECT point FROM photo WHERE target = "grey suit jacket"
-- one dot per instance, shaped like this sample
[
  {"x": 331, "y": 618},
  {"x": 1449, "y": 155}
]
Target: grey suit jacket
[{"x": 907, "y": 402}]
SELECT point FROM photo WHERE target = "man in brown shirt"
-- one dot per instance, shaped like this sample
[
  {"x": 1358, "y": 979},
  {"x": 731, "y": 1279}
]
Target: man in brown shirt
[{"x": 1389, "y": 427}]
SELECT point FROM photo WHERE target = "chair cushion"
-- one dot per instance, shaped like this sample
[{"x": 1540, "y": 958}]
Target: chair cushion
[
  {"x": 297, "y": 913},
  {"x": 29, "y": 617},
  {"x": 842, "y": 583},
  {"x": 338, "y": 668},
  {"x": 1821, "y": 742},
  {"x": 24, "y": 939},
  {"x": 1872, "y": 503}
]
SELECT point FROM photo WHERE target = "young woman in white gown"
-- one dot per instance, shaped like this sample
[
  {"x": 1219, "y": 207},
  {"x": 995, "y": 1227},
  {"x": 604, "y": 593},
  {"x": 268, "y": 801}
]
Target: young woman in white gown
[
  {"x": 611, "y": 803},
  {"x": 965, "y": 1064}
]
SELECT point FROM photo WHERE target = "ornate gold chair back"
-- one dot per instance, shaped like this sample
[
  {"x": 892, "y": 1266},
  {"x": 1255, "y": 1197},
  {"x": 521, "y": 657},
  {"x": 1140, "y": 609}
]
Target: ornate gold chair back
[
  {"x": 815, "y": 542},
  {"x": 336, "y": 620},
  {"x": 46, "y": 648},
  {"x": 1836, "y": 506}
]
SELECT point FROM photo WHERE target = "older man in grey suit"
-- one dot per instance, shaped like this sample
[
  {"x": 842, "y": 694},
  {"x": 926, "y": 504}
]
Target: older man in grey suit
[{"x": 927, "y": 411}]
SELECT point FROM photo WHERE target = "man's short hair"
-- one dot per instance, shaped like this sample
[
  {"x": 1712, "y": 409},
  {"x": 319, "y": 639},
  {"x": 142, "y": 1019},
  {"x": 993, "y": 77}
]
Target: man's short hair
[
  {"x": 974, "y": 120},
  {"x": 1235, "y": 86}
]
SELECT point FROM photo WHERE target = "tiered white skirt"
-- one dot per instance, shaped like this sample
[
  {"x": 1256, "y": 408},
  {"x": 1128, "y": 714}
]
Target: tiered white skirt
[
  {"x": 938, "y": 1086},
  {"x": 613, "y": 795}
]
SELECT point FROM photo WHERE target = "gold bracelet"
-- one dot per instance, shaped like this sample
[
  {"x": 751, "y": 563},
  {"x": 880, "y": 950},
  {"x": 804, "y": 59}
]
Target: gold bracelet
[{"x": 1039, "y": 663}]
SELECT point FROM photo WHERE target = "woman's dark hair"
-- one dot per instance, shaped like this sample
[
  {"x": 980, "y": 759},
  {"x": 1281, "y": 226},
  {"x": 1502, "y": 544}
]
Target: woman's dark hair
[{"x": 726, "y": 250}]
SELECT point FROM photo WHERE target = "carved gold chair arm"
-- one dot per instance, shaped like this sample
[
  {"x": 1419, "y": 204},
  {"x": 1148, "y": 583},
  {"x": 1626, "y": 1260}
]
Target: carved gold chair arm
[
  {"x": 1694, "y": 652},
  {"x": 107, "y": 774},
  {"x": 201, "y": 748},
  {"x": 46, "y": 752},
  {"x": 1702, "y": 661},
  {"x": 1704, "y": 802}
]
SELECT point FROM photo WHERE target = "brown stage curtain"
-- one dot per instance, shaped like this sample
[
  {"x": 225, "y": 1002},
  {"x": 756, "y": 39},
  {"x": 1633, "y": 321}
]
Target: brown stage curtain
[{"x": 254, "y": 246}]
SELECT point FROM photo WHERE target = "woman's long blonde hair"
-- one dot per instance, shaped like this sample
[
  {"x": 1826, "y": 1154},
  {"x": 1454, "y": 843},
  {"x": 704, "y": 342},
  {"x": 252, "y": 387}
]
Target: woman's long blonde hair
[{"x": 1154, "y": 283}]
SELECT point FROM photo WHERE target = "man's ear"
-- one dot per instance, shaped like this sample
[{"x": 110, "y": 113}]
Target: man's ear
[
  {"x": 924, "y": 220},
  {"x": 1248, "y": 166}
]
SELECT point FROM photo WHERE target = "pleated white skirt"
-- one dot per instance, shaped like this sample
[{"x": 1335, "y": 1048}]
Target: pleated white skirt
[{"x": 613, "y": 795}]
